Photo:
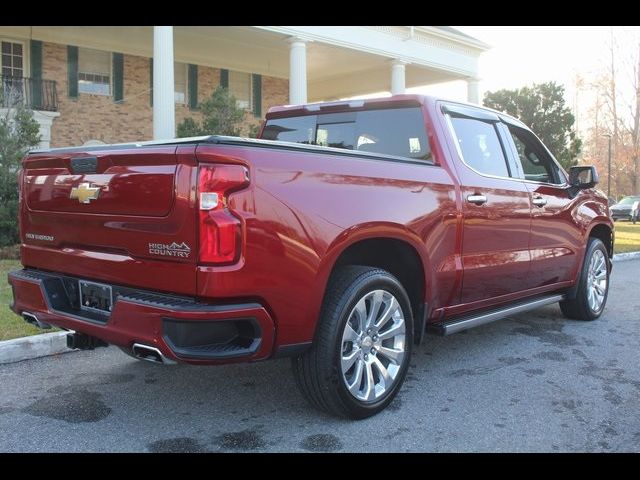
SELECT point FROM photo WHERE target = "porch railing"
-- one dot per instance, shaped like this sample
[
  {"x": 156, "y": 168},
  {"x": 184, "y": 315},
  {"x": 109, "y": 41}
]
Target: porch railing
[{"x": 34, "y": 93}]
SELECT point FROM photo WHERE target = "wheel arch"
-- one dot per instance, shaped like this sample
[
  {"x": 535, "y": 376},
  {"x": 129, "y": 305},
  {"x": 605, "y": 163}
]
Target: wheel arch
[
  {"x": 604, "y": 232},
  {"x": 392, "y": 248}
]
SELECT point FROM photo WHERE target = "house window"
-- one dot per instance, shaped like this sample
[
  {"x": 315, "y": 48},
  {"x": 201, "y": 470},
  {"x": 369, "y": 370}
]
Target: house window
[
  {"x": 240, "y": 87},
  {"x": 12, "y": 59},
  {"x": 94, "y": 71},
  {"x": 180, "y": 81}
]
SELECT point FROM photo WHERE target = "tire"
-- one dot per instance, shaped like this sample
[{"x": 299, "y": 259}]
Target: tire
[
  {"x": 351, "y": 295},
  {"x": 590, "y": 301}
]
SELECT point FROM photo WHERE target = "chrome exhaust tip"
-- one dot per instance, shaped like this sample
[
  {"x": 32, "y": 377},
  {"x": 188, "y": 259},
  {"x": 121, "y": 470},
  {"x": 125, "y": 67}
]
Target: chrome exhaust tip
[
  {"x": 150, "y": 354},
  {"x": 33, "y": 320}
]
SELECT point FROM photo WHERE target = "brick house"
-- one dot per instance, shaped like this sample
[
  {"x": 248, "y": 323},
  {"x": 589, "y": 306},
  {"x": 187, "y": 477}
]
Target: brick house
[{"x": 97, "y": 84}]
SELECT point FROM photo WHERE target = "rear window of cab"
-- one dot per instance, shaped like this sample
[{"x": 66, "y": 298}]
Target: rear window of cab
[{"x": 399, "y": 132}]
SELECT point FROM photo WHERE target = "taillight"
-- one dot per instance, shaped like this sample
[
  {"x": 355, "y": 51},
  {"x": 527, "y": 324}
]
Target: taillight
[
  {"x": 220, "y": 230},
  {"x": 20, "y": 196}
]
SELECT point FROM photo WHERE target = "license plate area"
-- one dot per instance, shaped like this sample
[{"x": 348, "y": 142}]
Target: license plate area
[{"x": 95, "y": 297}]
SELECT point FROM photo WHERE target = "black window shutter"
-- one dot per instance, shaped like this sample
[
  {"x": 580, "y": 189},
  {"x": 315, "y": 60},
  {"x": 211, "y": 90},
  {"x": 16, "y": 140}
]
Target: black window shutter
[
  {"x": 192, "y": 88},
  {"x": 72, "y": 70},
  {"x": 36, "y": 59},
  {"x": 224, "y": 78},
  {"x": 36, "y": 73},
  {"x": 118, "y": 77},
  {"x": 151, "y": 81},
  {"x": 256, "y": 83}
]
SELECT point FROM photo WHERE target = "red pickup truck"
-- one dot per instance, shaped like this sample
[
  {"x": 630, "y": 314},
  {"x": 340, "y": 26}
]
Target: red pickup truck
[{"x": 337, "y": 239}]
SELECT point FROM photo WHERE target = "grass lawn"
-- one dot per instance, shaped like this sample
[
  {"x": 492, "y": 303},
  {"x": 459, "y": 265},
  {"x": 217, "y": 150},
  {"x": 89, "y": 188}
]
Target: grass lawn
[
  {"x": 11, "y": 325},
  {"x": 627, "y": 237}
]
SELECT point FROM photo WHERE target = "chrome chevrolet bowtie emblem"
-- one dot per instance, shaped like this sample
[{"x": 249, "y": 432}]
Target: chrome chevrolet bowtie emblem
[{"x": 85, "y": 193}]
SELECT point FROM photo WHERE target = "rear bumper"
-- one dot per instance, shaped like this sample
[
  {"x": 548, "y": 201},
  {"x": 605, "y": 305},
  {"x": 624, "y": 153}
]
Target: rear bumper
[{"x": 182, "y": 329}]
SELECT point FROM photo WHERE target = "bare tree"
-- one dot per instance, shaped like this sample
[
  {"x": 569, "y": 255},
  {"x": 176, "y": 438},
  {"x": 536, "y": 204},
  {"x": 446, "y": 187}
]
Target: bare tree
[
  {"x": 635, "y": 133},
  {"x": 616, "y": 112}
]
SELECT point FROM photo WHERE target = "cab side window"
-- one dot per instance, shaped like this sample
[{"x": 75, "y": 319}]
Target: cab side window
[
  {"x": 537, "y": 165},
  {"x": 480, "y": 146}
]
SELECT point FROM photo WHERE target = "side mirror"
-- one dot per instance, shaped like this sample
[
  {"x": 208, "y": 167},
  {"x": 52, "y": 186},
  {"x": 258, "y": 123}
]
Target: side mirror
[{"x": 583, "y": 177}]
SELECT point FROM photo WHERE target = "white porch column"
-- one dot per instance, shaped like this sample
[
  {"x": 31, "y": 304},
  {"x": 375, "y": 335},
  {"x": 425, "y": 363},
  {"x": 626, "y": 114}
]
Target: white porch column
[
  {"x": 297, "y": 71},
  {"x": 164, "y": 113},
  {"x": 473, "y": 90},
  {"x": 397, "y": 77}
]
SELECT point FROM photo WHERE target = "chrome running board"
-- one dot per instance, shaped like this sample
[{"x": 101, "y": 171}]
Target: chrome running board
[{"x": 469, "y": 321}]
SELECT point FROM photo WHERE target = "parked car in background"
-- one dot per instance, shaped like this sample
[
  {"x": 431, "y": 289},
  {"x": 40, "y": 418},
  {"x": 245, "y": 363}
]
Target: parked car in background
[{"x": 625, "y": 209}]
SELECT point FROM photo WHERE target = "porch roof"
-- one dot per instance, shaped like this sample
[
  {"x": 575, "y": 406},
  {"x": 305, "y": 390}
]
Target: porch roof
[{"x": 341, "y": 61}]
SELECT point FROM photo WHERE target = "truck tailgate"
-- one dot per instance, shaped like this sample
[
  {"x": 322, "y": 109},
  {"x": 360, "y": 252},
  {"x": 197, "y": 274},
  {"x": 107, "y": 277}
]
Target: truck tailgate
[{"x": 122, "y": 215}]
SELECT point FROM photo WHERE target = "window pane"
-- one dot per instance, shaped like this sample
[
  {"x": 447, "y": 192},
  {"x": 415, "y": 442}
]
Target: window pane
[
  {"x": 397, "y": 132},
  {"x": 240, "y": 87},
  {"x": 480, "y": 146},
  {"x": 94, "y": 71},
  {"x": 6, "y": 47},
  {"x": 17, "y": 49},
  {"x": 536, "y": 163},
  {"x": 337, "y": 135},
  {"x": 294, "y": 129},
  {"x": 180, "y": 79},
  {"x": 94, "y": 61}
]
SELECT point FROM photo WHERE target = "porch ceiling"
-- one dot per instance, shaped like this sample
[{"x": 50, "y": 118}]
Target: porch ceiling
[{"x": 332, "y": 71}]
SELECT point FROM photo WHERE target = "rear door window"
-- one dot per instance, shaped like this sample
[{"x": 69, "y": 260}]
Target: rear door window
[{"x": 480, "y": 146}]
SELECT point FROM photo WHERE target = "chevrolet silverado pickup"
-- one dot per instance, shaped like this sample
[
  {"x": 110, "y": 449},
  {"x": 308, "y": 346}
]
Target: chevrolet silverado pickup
[{"x": 341, "y": 236}]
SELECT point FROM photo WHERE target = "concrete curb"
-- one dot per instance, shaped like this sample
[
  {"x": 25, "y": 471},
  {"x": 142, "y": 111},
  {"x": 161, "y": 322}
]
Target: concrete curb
[
  {"x": 35, "y": 346},
  {"x": 623, "y": 257},
  {"x": 26, "y": 348}
]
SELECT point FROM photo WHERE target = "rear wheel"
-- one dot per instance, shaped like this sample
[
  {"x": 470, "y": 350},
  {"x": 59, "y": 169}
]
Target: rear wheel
[
  {"x": 593, "y": 286},
  {"x": 361, "y": 352}
]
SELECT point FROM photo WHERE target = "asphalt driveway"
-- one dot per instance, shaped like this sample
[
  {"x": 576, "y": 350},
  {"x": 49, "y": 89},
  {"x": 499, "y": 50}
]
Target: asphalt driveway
[{"x": 533, "y": 382}]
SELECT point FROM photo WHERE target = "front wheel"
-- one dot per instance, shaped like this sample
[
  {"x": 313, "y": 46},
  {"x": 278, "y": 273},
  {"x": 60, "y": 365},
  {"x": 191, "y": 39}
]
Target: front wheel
[
  {"x": 593, "y": 286},
  {"x": 362, "y": 347}
]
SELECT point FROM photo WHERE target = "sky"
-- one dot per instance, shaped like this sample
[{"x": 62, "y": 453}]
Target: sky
[{"x": 526, "y": 54}]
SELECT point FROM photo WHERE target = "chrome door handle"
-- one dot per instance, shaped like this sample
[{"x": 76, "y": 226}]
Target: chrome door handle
[
  {"x": 477, "y": 199},
  {"x": 539, "y": 202}
]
